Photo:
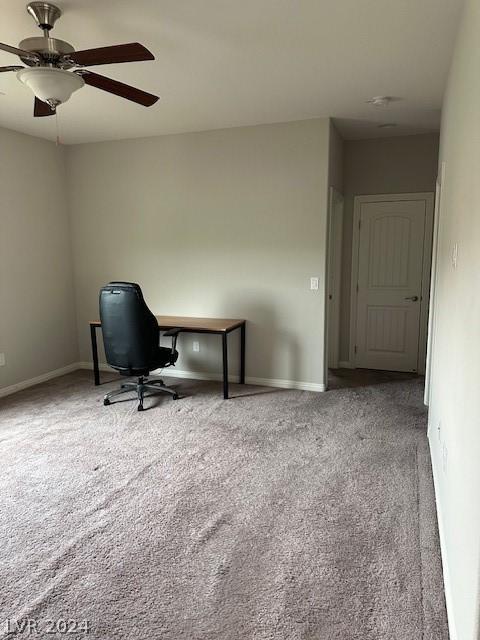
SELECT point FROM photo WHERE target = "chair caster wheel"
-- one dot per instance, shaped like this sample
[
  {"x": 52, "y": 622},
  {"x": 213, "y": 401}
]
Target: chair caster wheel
[
  {"x": 140, "y": 407},
  {"x": 175, "y": 397},
  {"x": 106, "y": 402}
]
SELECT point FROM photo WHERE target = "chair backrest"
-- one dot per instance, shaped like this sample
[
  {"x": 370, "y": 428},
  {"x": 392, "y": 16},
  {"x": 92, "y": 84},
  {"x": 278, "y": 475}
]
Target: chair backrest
[{"x": 130, "y": 330}]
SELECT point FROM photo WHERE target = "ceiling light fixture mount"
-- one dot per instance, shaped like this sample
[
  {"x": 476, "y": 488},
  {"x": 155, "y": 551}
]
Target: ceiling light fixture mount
[
  {"x": 380, "y": 101},
  {"x": 44, "y": 14}
]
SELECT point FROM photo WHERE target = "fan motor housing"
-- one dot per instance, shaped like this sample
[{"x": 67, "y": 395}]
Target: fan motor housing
[{"x": 50, "y": 49}]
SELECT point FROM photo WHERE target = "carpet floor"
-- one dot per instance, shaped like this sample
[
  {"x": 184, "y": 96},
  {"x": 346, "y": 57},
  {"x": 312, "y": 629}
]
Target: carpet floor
[{"x": 273, "y": 515}]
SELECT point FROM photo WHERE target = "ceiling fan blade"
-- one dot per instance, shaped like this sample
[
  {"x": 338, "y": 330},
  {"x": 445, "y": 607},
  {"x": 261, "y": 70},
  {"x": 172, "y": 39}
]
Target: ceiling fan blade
[
  {"x": 131, "y": 52},
  {"x": 118, "y": 88},
  {"x": 11, "y": 68},
  {"x": 41, "y": 109},
  {"x": 30, "y": 55}
]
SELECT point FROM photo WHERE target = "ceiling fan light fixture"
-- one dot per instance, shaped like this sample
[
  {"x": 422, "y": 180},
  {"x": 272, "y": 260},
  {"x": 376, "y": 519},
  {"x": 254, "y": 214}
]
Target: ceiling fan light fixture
[
  {"x": 51, "y": 73},
  {"x": 52, "y": 86}
]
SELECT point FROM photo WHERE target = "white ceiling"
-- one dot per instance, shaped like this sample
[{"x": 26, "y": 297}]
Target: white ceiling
[{"x": 227, "y": 63}]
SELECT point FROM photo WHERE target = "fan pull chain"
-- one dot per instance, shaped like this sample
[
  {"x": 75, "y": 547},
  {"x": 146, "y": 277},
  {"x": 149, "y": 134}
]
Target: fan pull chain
[{"x": 57, "y": 141}]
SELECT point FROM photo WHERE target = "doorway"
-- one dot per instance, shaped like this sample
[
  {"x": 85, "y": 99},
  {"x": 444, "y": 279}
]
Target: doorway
[{"x": 391, "y": 256}]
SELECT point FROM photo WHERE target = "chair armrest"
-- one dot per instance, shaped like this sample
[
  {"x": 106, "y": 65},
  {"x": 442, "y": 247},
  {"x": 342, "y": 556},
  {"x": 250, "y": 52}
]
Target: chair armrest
[{"x": 172, "y": 332}]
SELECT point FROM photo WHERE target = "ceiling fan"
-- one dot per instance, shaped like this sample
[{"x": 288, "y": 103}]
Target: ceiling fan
[{"x": 50, "y": 62}]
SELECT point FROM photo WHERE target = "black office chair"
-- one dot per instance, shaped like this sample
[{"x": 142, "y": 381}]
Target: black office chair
[{"x": 131, "y": 338}]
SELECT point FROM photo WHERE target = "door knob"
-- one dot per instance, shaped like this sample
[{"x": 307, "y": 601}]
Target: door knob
[{"x": 412, "y": 298}]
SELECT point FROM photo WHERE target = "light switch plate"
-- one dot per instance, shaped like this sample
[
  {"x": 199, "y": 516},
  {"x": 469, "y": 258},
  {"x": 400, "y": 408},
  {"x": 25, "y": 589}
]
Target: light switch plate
[
  {"x": 455, "y": 255},
  {"x": 313, "y": 284},
  {"x": 2, "y": 359},
  {"x": 196, "y": 345},
  {"x": 444, "y": 458}
]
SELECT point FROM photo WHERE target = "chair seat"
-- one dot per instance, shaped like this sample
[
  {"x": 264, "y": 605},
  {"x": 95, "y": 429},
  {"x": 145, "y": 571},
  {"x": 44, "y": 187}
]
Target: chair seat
[{"x": 162, "y": 357}]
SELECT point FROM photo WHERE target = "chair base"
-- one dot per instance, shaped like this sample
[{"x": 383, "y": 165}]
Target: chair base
[{"x": 140, "y": 386}]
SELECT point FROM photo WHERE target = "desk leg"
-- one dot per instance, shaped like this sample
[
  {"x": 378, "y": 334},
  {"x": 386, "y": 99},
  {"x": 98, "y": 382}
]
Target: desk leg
[
  {"x": 225, "y": 364},
  {"x": 242, "y": 354},
  {"x": 93, "y": 336}
]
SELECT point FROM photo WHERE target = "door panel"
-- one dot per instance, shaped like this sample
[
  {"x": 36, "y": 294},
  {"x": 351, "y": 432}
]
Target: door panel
[
  {"x": 390, "y": 263},
  {"x": 386, "y": 329}
]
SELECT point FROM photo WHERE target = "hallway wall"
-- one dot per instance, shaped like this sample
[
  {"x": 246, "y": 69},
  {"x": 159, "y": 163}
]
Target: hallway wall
[{"x": 454, "y": 418}]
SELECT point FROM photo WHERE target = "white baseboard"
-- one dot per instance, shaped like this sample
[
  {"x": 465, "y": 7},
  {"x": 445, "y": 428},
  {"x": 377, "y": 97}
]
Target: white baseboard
[
  {"x": 345, "y": 364},
  {"x": 13, "y": 388},
  {"x": 443, "y": 550},
  {"x": 174, "y": 373},
  {"x": 202, "y": 375},
  {"x": 286, "y": 384}
]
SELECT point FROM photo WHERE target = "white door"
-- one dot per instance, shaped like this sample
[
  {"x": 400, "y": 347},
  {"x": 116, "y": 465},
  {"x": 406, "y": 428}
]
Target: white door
[{"x": 390, "y": 266}]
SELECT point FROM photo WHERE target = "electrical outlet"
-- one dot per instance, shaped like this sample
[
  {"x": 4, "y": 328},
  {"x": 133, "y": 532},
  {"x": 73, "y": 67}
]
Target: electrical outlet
[
  {"x": 196, "y": 345},
  {"x": 313, "y": 284},
  {"x": 2, "y": 359}
]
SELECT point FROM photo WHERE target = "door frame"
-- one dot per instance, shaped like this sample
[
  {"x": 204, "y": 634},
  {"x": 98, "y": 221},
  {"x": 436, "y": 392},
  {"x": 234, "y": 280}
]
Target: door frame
[
  {"x": 428, "y": 198},
  {"x": 432, "y": 316},
  {"x": 336, "y": 208}
]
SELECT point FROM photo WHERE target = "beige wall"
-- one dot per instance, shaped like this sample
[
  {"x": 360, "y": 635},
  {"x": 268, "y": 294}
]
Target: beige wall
[
  {"x": 37, "y": 319},
  {"x": 455, "y": 397},
  {"x": 405, "y": 164},
  {"x": 225, "y": 223}
]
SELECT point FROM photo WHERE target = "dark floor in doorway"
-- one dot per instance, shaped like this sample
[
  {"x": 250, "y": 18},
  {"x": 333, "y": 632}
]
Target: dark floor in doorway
[{"x": 350, "y": 378}]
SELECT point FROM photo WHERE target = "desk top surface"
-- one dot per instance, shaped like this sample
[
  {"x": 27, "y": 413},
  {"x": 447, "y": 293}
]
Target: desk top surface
[{"x": 191, "y": 324}]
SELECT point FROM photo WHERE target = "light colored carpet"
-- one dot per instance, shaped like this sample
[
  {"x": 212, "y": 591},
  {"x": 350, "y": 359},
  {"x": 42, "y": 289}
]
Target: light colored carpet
[{"x": 273, "y": 515}]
